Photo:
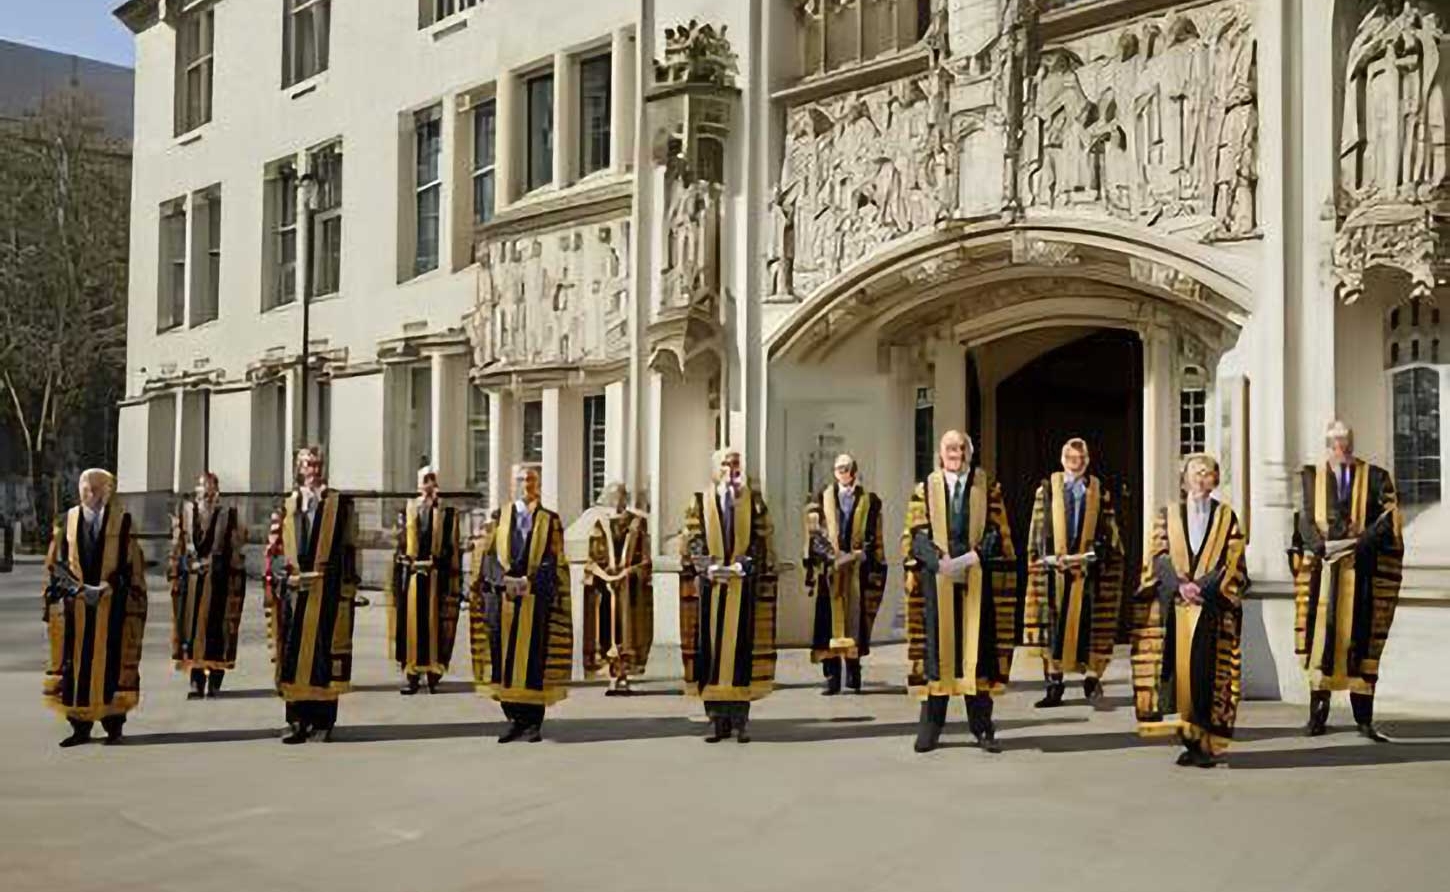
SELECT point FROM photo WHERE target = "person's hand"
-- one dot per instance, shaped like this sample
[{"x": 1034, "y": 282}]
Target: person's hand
[
  {"x": 969, "y": 560},
  {"x": 846, "y": 558},
  {"x": 1190, "y": 592}
]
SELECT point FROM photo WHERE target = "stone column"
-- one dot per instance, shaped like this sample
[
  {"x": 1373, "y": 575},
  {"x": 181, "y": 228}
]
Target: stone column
[
  {"x": 949, "y": 408},
  {"x": 177, "y": 484},
  {"x": 511, "y": 121},
  {"x": 616, "y": 423},
  {"x": 502, "y": 443},
  {"x": 1160, "y": 421},
  {"x": 622, "y": 103},
  {"x": 566, "y": 119},
  {"x": 563, "y": 456}
]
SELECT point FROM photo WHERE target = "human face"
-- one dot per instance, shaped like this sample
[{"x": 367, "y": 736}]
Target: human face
[
  {"x": 429, "y": 487},
  {"x": 94, "y": 497},
  {"x": 1074, "y": 461},
  {"x": 1200, "y": 479},
  {"x": 206, "y": 489},
  {"x": 1341, "y": 450},
  {"x": 730, "y": 469},
  {"x": 845, "y": 474},
  {"x": 953, "y": 454},
  {"x": 311, "y": 469},
  {"x": 526, "y": 485}
]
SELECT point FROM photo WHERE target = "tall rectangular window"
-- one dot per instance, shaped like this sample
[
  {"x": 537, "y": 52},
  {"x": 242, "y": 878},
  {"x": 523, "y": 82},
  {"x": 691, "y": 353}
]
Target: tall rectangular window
[
  {"x": 194, "y": 37},
  {"x": 1416, "y": 394},
  {"x": 279, "y": 249},
  {"x": 326, "y": 166},
  {"x": 171, "y": 272},
  {"x": 924, "y": 445},
  {"x": 594, "y": 85},
  {"x": 485, "y": 138},
  {"x": 206, "y": 255},
  {"x": 539, "y": 98},
  {"x": 431, "y": 12},
  {"x": 306, "y": 25},
  {"x": 594, "y": 448},
  {"x": 478, "y": 440},
  {"x": 427, "y": 187},
  {"x": 1192, "y": 420},
  {"x": 531, "y": 450}
]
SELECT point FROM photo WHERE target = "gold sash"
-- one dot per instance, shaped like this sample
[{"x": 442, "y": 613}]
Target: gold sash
[
  {"x": 728, "y": 607},
  {"x": 845, "y": 581},
  {"x": 970, "y": 620},
  {"x": 1070, "y": 586},
  {"x": 523, "y": 609}
]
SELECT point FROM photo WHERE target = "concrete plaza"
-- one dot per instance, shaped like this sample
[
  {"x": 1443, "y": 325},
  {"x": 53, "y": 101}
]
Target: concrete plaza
[{"x": 414, "y": 795}]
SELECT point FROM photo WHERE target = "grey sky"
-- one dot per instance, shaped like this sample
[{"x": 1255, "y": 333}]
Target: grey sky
[{"x": 80, "y": 27}]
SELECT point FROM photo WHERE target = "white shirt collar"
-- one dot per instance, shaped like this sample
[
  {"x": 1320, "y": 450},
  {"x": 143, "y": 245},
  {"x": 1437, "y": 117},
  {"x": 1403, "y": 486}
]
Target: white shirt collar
[
  {"x": 846, "y": 490},
  {"x": 91, "y": 516}
]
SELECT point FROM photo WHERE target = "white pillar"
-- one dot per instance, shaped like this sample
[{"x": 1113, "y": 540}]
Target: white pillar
[
  {"x": 616, "y": 423},
  {"x": 290, "y": 439},
  {"x": 621, "y": 106},
  {"x": 949, "y": 407},
  {"x": 550, "y": 469},
  {"x": 566, "y": 119},
  {"x": 180, "y": 440},
  {"x": 500, "y": 446},
  {"x": 437, "y": 383},
  {"x": 1160, "y": 428},
  {"x": 511, "y": 121}
]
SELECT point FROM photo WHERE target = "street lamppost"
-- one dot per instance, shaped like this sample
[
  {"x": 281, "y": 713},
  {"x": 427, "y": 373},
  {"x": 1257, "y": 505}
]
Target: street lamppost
[{"x": 307, "y": 186}]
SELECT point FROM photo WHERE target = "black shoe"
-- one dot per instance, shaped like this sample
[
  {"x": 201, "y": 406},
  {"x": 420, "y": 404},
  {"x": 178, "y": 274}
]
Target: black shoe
[
  {"x": 612, "y": 692},
  {"x": 853, "y": 675},
  {"x": 113, "y": 738},
  {"x": 1202, "y": 759},
  {"x": 833, "y": 686},
  {"x": 515, "y": 731},
  {"x": 1187, "y": 758},
  {"x": 1368, "y": 731},
  {"x": 298, "y": 734},
  {"x": 719, "y": 730},
  {"x": 928, "y": 729},
  {"x": 411, "y": 687},
  {"x": 213, "y": 685},
  {"x": 1318, "y": 714},
  {"x": 533, "y": 734},
  {"x": 433, "y": 681},
  {"x": 1092, "y": 689},
  {"x": 76, "y": 739},
  {"x": 741, "y": 735},
  {"x": 194, "y": 695},
  {"x": 1053, "y": 698},
  {"x": 321, "y": 735},
  {"x": 988, "y": 741}
]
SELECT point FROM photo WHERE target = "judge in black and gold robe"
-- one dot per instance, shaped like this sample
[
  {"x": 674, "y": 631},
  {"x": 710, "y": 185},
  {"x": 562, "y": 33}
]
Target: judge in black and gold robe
[
  {"x": 619, "y": 600},
  {"x": 845, "y": 564},
  {"x": 208, "y": 574},
  {"x": 1188, "y": 619},
  {"x": 424, "y": 588},
  {"x": 314, "y": 572},
  {"x": 961, "y": 594},
  {"x": 520, "y": 622},
  {"x": 95, "y": 612},
  {"x": 1075, "y": 577},
  {"x": 727, "y": 599},
  {"x": 1347, "y": 579}
]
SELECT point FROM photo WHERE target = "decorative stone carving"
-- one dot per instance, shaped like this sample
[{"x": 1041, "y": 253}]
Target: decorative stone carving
[
  {"x": 1168, "y": 278},
  {"x": 866, "y": 167},
  {"x": 1155, "y": 121},
  {"x": 697, "y": 54},
  {"x": 552, "y": 298},
  {"x": 1394, "y": 174},
  {"x": 781, "y": 261},
  {"x": 1028, "y": 251},
  {"x": 691, "y": 275}
]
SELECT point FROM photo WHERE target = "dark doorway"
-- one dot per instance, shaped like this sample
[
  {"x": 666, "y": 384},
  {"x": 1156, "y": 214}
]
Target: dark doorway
[{"x": 1090, "y": 388}]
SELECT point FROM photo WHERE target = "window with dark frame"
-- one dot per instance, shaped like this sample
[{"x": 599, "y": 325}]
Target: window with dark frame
[
  {"x": 427, "y": 187},
  {"x": 539, "y": 100},
  {"x": 531, "y": 449},
  {"x": 306, "y": 29},
  {"x": 594, "y": 112},
  {"x": 171, "y": 295},
  {"x": 280, "y": 252},
  {"x": 924, "y": 451},
  {"x": 479, "y": 446},
  {"x": 1192, "y": 420},
  {"x": 485, "y": 139},
  {"x": 194, "y": 40},
  {"x": 1416, "y": 401},
  {"x": 206, "y": 240},
  {"x": 594, "y": 447},
  {"x": 326, "y": 165},
  {"x": 431, "y": 12}
]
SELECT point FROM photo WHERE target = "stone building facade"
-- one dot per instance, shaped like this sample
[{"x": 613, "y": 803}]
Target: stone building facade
[{"x": 605, "y": 238}]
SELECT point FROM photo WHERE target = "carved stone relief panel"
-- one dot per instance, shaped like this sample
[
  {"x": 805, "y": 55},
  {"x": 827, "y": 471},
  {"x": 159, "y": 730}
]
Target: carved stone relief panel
[
  {"x": 1154, "y": 121},
  {"x": 553, "y": 297}
]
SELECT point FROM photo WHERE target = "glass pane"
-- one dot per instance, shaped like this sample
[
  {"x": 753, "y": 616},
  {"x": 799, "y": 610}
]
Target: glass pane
[
  {"x": 594, "y": 113},
  {"x": 532, "y": 447},
  {"x": 485, "y": 126},
  {"x": 429, "y": 143},
  {"x": 483, "y": 197},
  {"x": 541, "y": 131},
  {"x": 427, "y": 254},
  {"x": 328, "y": 263}
]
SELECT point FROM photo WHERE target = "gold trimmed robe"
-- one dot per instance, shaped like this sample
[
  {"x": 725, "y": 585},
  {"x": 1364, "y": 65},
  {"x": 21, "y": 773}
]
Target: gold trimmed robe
[
  {"x": 311, "y": 624},
  {"x": 423, "y": 591},
  {"x": 1342, "y": 617},
  {"x": 208, "y": 576},
  {"x": 618, "y": 615},
  {"x": 1071, "y": 614},
  {"x": 523, "y": 650},
  {"x": 960, "y": 634},
  {"x": 727, "y": 628},
  {"x": 846, "y": 599},
  {"x": 94, "y": 668},
  {"x": 1187, "y": 659}
]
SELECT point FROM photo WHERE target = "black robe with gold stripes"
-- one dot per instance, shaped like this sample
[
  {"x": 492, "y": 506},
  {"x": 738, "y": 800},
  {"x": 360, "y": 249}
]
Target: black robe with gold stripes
[
  {"x": 1344, "y": 607},
  {"x": 1071, "y": 613},
  {"x": 960, "y": 634},
  {"x": 846, "y": 599},
  {"x": 208, "y": 575},
  {"x": 423, "y": 591},
  {"x": 618, "y": 613},
  {"x": 94, "y": 669},
  {"x": 311, "y": 623},
  {"x": 523, "y": 648},
  {"x": 1187, "y": 661},
  {"x": 727, "y": 628}
]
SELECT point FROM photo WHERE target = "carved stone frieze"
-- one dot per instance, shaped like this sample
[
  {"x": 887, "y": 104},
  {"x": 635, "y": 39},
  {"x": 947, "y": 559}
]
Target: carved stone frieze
[
  {"x": 1168, "y": 278},
  {"x": 697, "y": 53},
  {"x": 1399, "y": 236},
  {"x": 1028, "y": 251},
  {"x": 1154, "y": 121},
  {"x": 552, "y": 298}
]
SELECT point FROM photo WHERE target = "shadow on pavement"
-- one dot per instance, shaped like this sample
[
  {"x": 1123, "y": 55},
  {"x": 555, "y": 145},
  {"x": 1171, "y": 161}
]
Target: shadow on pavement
[
  {"x": 229, "y": 735},
  {"x": 1343, "y": 756}
]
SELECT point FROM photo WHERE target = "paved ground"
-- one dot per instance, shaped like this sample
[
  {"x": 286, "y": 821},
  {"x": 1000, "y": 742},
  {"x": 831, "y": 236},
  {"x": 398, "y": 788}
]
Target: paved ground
[{"x": 414, "y": 795}]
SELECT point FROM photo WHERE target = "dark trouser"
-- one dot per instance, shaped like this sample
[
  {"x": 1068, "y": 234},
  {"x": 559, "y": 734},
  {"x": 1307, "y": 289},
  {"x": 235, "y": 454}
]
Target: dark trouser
[
  {"x": 831, "y": 666},
  {"x": 528, "y": 715},
  {"x": 318, "y": 715},
  {"x": 979, "y": 712},
  {"x": 1363, "y": 706},
  {"x": 736, "y": 712},
  {"x": 111, "y": 724},
  {"x": 211, "y": 680}
]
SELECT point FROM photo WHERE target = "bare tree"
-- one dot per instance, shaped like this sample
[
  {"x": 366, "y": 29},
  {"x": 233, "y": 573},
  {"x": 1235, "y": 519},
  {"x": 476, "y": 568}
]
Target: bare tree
[{"x": 63, "y": 248}]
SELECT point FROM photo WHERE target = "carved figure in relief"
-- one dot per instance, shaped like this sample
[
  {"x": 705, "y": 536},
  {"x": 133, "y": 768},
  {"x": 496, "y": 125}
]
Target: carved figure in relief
[
  {"x": 781, "y": 262},
  {"x": 1236, "y": 147},
  {"x": 1057, "y": 139},
  {"x": 685, "y": 276}
]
